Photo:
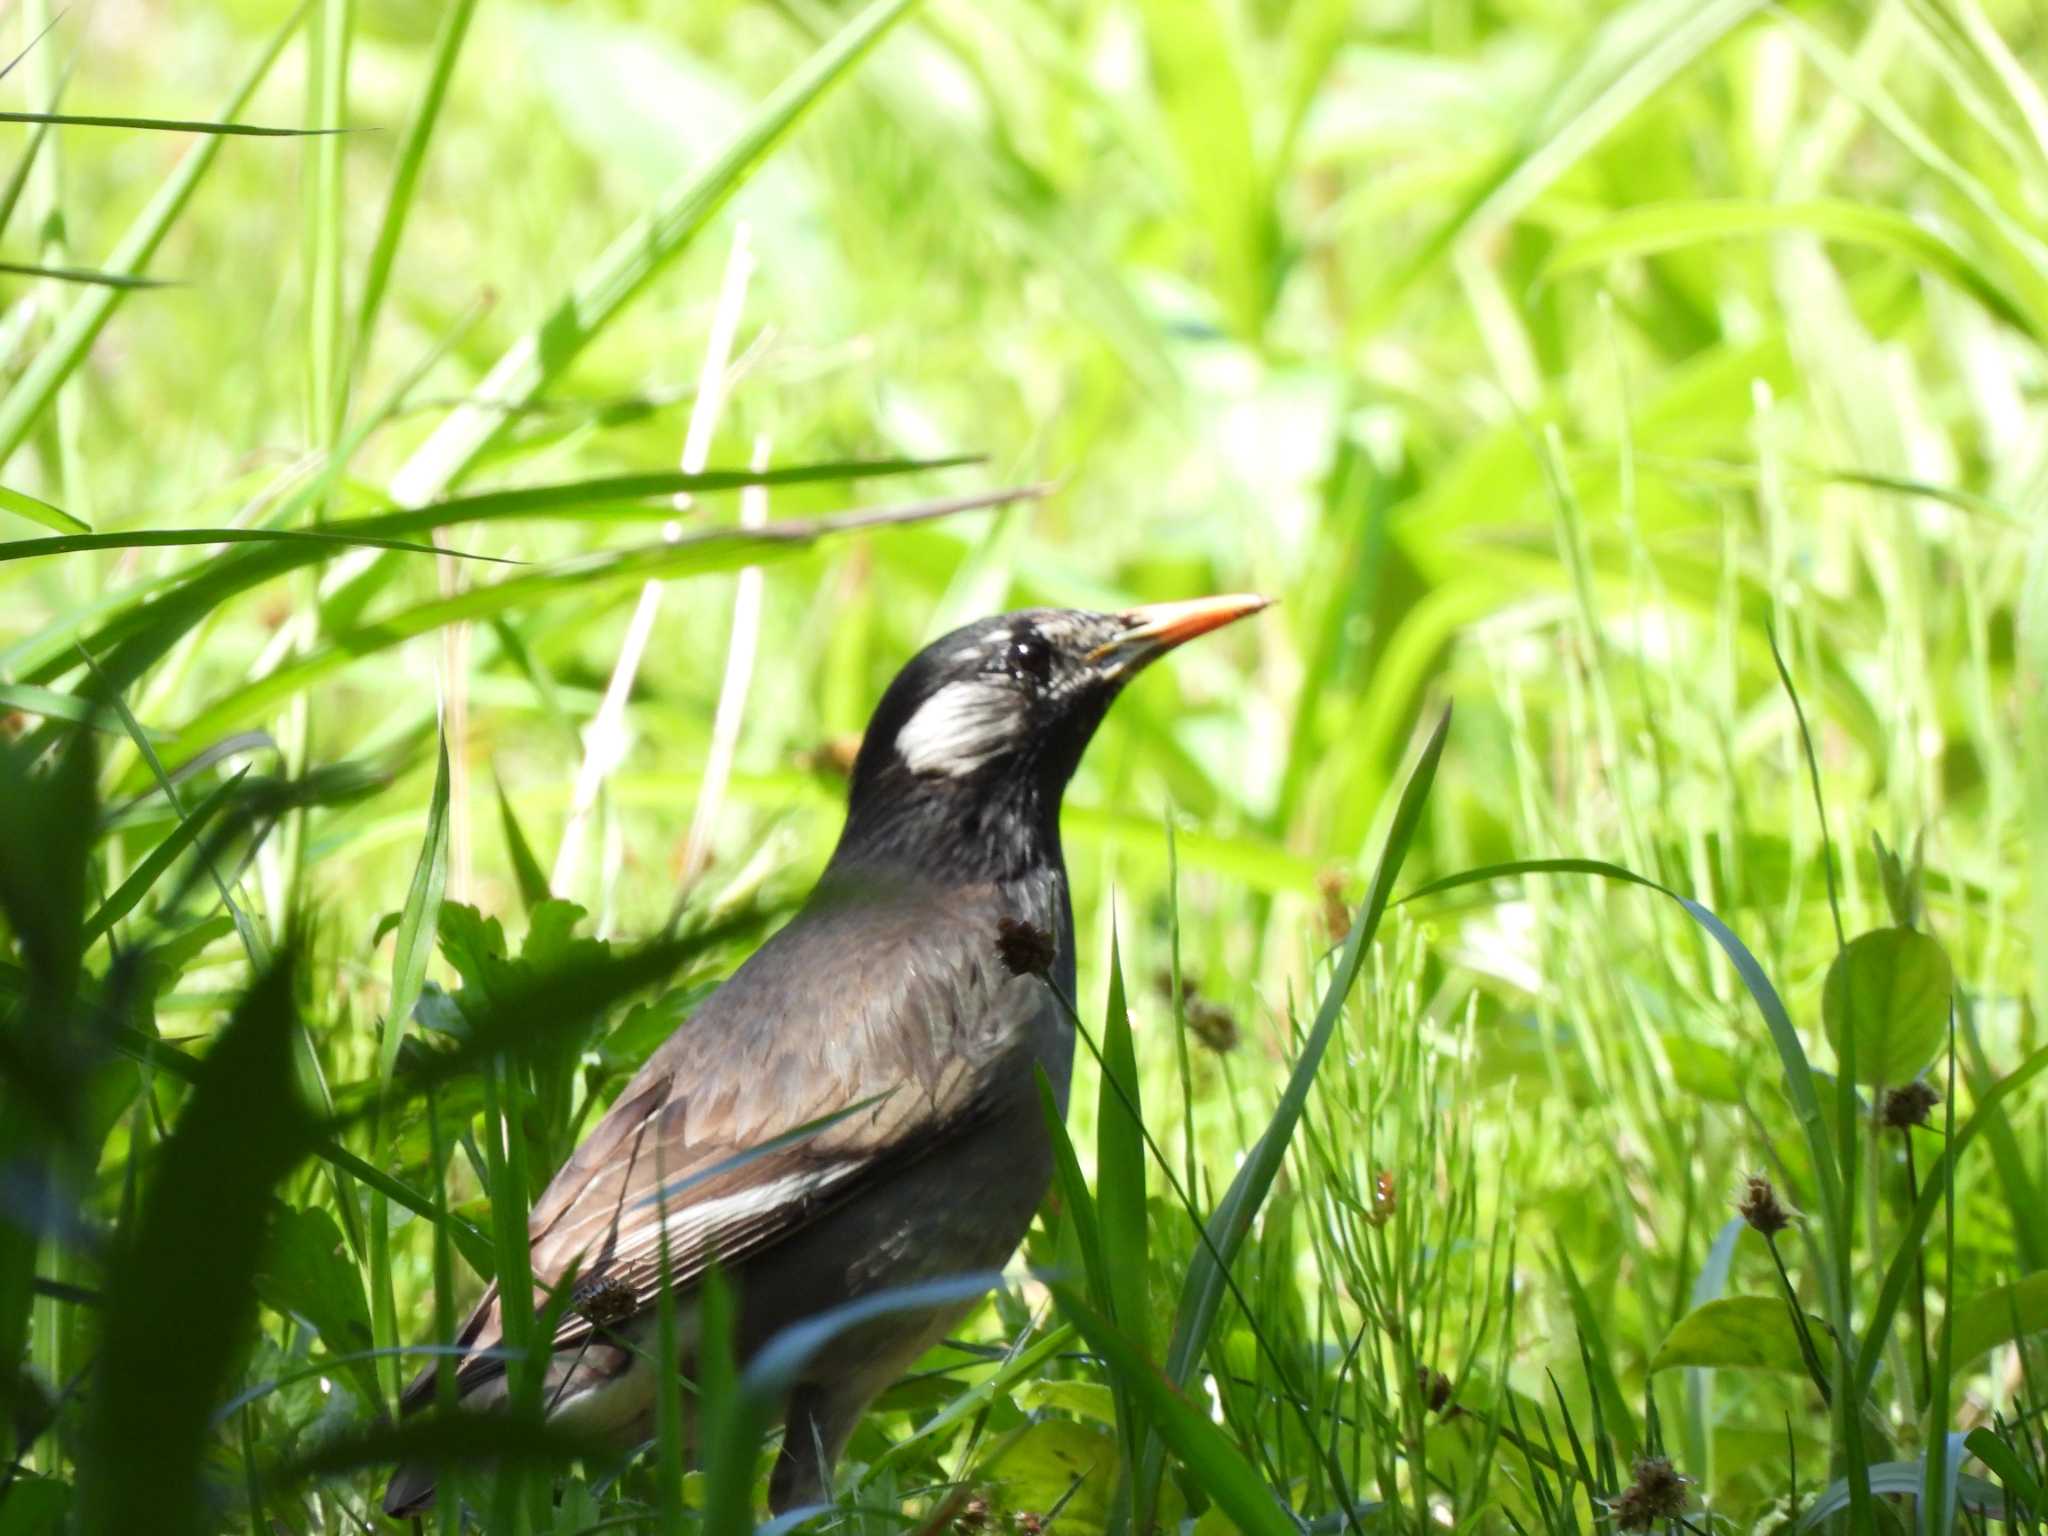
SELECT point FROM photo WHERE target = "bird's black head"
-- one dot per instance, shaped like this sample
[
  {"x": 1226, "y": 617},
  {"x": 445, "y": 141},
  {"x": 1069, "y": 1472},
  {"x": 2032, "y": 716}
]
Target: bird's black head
[{"x": 964, "y": 761}]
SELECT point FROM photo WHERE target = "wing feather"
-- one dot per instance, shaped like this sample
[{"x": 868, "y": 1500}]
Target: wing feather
[{"x": 837, "y": 1054}]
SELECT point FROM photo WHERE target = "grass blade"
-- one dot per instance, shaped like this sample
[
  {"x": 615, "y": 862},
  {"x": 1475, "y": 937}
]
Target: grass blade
[
  {"x": 412, "y": 154},
  {"x": 629, "y": 264},
  {"x": 159, "y": 859},
  {"x": 23, "y": 505},
  {"x": 23, "y": 405},
  {"x": 1203, "y": 1449},
  {"x": 418, "y": 923}
]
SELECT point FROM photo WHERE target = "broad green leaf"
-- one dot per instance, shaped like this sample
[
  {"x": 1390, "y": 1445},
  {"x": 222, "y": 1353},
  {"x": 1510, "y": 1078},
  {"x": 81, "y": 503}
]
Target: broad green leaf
[
  {"x": 1056, "y": 1462},
  {"x": 1736, "y": 1333},
  {"x": 1891, "y": 986},
  {"x": 2019, "y": 1479},
  {"x": 1083, "y": 1399},
  {"x": 1998, "y": 1316},
  {"x": 306, "y": 1272},
  {"x": 1702, "y": 1070}
]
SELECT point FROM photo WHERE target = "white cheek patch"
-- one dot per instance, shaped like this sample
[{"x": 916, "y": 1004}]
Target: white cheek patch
[{"x": 959, "y": 728}]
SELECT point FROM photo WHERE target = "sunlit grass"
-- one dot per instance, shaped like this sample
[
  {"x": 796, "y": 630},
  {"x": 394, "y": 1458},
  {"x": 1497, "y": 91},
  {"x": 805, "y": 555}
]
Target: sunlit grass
[{"x": 1561, "y": 362}]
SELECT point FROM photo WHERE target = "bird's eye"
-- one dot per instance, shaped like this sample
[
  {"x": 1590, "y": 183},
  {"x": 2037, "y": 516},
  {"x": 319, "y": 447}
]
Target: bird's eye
[{"x": 1028, "y": 659}]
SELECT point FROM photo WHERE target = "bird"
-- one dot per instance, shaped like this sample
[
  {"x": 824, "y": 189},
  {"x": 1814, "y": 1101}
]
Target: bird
[{"x": 912, "y": 997}]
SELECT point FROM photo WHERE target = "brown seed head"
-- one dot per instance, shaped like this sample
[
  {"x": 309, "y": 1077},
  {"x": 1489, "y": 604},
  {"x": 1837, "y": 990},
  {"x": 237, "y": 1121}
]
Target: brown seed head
[
  {"x": 1435, "y": 1388},
  {"x": 1336, "y": 915},
  {"x": 1024, "y": 948},
  {"x": 1761, "y": 1208},
  {"x": 1908, "y": 1106},
  {"x": 603, "y": 1300},
  {"x": 1213, "y": 1024},
  {"x": 1385, "y": 1199},
  {"x": 1658, "y": 1493}
]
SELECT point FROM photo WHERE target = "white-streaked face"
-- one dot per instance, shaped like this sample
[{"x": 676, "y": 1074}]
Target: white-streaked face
[
  {"x": 961, "y": 727},
  {"x": 1007, "y": 681}
]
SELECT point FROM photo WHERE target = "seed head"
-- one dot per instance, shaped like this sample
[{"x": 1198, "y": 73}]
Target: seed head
[
  {"x": 1336, "y": 915},
  {"x": 1385, "y": 1198},
  {"x": 602, "y": 1300},
  {"x": 1213, "y": 1024},
  {"x": 1658, "y": 1493},
  {"x": 1024, "y": 948},
  {"x": 1435, "y": 1388},
  {"x": 1908, "y": 1106},
  {"x": 1761, "y": 1208}
]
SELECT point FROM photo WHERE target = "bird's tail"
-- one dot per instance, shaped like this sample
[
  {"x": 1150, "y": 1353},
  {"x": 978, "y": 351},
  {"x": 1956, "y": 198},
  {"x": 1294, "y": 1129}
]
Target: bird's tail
[{"x": 410, "y": 1491}]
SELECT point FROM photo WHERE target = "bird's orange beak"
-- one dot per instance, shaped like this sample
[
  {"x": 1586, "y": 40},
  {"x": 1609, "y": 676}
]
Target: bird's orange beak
[{"x": 1159, "y": 627}]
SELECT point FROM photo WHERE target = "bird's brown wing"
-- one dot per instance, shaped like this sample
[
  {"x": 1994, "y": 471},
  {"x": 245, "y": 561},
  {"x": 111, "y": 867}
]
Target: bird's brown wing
[{"x": 889, "y": 1023}]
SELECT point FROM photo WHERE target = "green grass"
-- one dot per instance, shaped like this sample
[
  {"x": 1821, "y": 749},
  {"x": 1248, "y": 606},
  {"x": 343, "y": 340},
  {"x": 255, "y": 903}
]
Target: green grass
[{"x": 1664, "y": 384}]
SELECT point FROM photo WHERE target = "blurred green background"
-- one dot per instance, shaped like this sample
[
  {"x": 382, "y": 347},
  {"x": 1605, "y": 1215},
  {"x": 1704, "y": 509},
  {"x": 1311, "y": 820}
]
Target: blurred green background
[{"x": 1548, "y": 358}]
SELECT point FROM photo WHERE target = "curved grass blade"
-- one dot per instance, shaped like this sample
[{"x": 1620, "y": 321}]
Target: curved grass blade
[
  {"x": 1799, "y": 1082},
  {"x": 160, "y": 858},
  {"x": 2021, "y": 1486},
  {"x": 1202, "y": 1292},
  {"x": 714, "y": 550},
  {"x": 326, "y": 543},
  {"x": 1651, "y": 228},
  {"x": 140, "y": 634}
]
